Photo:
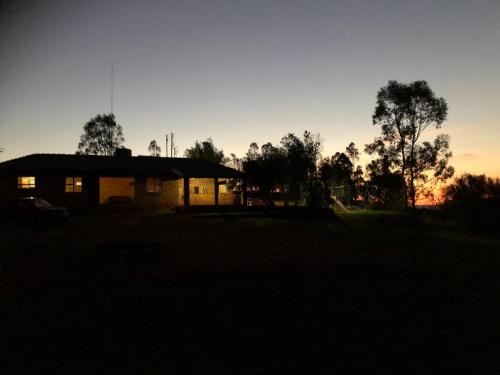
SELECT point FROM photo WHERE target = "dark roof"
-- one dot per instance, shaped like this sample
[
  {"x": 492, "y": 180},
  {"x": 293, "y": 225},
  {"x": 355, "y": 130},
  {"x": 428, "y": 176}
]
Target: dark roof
[{"x": 117, "y": 164}]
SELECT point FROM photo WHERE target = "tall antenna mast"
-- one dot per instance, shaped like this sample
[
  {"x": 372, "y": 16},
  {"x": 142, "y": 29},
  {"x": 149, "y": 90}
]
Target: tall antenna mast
[
  {"x": 112, "y": 84},
  {"x": 166, "y": 145},
  {"x": 171, "y": 144}
]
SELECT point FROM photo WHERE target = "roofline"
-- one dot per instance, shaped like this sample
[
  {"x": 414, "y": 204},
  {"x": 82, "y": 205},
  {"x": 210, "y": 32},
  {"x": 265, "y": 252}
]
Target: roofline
[{"x": 225, "y": 172}]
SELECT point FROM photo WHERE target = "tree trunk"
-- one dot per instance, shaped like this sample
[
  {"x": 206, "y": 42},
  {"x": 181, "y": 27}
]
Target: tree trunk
[
  {"x": 412, "y": 174},
  {"x": 412, "y": 190},
  {"x": 403, "y": 170}
]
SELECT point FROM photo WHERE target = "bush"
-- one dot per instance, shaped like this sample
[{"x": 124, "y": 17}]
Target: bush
[{"x": 475, "y": 215}]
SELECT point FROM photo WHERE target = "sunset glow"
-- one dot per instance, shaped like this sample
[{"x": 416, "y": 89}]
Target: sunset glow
[{"x": 242, "y": 73}]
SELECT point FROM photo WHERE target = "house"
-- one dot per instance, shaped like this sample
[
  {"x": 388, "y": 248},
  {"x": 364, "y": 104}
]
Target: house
[{"x": 88, "y": 181}]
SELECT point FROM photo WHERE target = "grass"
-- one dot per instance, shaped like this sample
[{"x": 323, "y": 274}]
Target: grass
[{"x": 130, "y": 294}]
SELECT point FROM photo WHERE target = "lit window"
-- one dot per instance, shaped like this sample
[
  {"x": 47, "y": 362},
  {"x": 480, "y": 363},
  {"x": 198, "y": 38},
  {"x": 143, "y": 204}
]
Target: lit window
[
  {"x": 153, "y": 185},
  {"x": 26, "y": 182},
  {"x": 74, "y": 184},
  {"x": 204, "y": 190},
  {"x": 223, "y": 189},
  {"x": 196, "y": 190}
]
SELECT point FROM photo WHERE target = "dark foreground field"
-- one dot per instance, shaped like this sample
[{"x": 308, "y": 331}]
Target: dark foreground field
[{"x": 125, "y": 294}]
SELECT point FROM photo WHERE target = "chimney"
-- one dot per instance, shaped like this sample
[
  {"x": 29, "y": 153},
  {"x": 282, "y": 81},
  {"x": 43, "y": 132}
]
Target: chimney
[{"x": 123, "y": 152}]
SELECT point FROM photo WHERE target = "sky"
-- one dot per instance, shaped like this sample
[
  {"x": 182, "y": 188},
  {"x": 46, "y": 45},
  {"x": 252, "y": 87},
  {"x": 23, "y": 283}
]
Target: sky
[{"x": 244, "y": 71}]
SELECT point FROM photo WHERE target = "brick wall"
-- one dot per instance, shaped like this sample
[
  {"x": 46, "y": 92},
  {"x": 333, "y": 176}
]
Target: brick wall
[
  {"x": 168, "y": 198},
  {"x": 116, "y": 187},
  {"x": 97, "y": 190},
  {"x": 51, "y": 187},
  {"x": 206, "y": 189},
  {"x": 206, "y": 195}
]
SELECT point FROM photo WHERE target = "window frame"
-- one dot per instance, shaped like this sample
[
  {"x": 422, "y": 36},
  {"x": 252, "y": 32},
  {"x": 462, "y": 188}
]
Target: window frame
[
  {"x": 156, "y": 184},
  {"x": 75, "y": 187},
  {"x": 30, "y": 185}
]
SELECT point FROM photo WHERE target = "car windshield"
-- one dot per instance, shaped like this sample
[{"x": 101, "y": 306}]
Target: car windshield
[{"x": 40, "y": 203}]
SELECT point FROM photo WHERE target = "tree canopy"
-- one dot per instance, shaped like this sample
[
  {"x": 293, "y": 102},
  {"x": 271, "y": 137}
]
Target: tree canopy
[
  {"x": 387, "y": 186},
  {"x": 290, "y": 168},
  {"x": 473, "y": 187},
  {"x": 206, "y": 150},
  {"x": 353, "y": 153},
  {"x": 102, "y": 135},
  {"x": 154, "y": 149},
  {"x": 302, "y": 158},
  {"x": 404, "y": 112},
  {"x": 336, "y": 171},
  {"x": 265, "y": 170}
]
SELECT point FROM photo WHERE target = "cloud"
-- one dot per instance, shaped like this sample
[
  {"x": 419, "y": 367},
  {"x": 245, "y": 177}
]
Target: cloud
[{"x": 466, "y": 156}]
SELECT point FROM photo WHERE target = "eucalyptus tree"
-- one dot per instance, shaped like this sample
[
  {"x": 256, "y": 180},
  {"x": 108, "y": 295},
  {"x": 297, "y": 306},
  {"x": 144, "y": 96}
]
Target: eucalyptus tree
[
  {"x": 404, "y": 111},
  {"x": 353, "y": 153},
  {"x": 290, "y": 167},
  {"x": 154, "y": 149},
  {"x": 206, "y": 150},
  {"x": 102, "y": 135},
  {"x": 470, "y": 187},
  {"x": 265, "y": 169},
  {"x": 302, "y": 163}
]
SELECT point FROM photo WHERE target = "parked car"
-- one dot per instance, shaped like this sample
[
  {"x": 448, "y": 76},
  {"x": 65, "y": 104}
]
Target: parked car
[{"x": 32, "y": 209}]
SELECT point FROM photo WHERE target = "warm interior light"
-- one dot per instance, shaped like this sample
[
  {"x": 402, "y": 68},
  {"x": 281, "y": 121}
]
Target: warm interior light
[
  {"x": 153, "y": 185},
  {"x": 26, "y": 182},
  {"x": 74, "y": 185}
]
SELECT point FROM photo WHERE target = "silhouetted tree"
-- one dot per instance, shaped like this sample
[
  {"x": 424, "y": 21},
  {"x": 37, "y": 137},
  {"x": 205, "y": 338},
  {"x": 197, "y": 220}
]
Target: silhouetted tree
[
  {"x": 234, "y": 184},
  {"x": 253, "y": 151},
  {"x": 290, "y": 168},
  {"x": 357, "y": 177},
  {"x": 265, "y": 170},
  {"x": 404, "y": 112},
  {"x": 430, "y": 165},
  {"x": 353, "y": 153},
  {"x": 302, "y": 159},
  {"x": 102, "y": 136},
  {"x": 387, "y": 185},
  {"x": 296, "y": 165},
  {"x": 357, "y": 171},
  {"x": 473, "y": 203},
  {"x": 336, "y": 174},
  {"x": 154, "y": 149},
  {"x": 206, "y": 150},
  {"x": 234, "y": 162},
  {"x": 472, "y": 187},
  {"x": 336, "y": 171}
]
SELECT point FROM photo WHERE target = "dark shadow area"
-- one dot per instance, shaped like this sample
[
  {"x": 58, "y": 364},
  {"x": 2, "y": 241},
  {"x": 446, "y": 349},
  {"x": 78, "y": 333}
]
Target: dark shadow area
[
  {"x": 169, "y": 293},
  {"x": 32, "y": 211},
  {"x": 254, "y": 212}
]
